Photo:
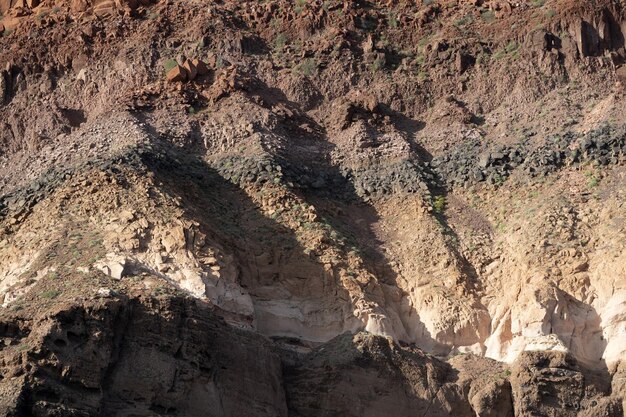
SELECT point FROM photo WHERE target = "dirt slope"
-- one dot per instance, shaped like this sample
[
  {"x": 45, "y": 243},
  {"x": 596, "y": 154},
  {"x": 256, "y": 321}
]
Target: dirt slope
[{"x": 312, "y": 208}]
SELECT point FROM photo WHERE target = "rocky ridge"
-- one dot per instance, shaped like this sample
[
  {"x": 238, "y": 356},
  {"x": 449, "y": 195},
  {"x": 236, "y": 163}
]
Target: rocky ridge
[{"x": 359, "y": 208}]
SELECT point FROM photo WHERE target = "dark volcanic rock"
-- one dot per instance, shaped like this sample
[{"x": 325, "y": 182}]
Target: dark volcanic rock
[
  {"x": 470, "y": 164},
  {"x": 132, "y": 357}
]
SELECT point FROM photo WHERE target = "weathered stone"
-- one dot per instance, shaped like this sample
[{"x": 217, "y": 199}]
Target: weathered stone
[
  {"x": 463, "y": 61},
  {"x": 105, "y": 293},
  {"x": 192, "y": 70},
  {"x": 484, "y": 160},
  {"x": 177, "y": 74},
  {"x": 78, "y": 6},
  {"x": 105, "y": 8},
  {"x": 113, "y": 266},
  {"x": 201, "y": 67},
  {"x": 534, "y": 371}
]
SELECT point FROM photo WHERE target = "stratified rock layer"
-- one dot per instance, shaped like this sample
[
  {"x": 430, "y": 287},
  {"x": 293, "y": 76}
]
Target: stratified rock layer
[{"x": 312, "y": 208}]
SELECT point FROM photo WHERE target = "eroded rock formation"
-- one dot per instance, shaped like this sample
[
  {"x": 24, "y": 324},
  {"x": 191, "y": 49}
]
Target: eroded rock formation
[{"x": 312, "y": 208}]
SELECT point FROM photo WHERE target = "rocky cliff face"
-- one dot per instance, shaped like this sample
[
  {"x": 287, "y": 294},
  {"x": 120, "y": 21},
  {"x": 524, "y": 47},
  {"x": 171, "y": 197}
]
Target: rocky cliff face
[{"x": 312, "y": 208}]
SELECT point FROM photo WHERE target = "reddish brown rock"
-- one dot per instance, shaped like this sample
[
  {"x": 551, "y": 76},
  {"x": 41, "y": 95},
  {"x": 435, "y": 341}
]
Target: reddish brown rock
[
  {"x": 192, "y": 70},
  {"x": 462, "y": 62},
  {"x": 78, "y": 6},
  {"x": 105, "y": 8},
  {"x": 138, "y": 218},
  {"x": 177, "y": 74},
  {"x": 502, "y": 8},
  {"x": 201, "y": 67}
]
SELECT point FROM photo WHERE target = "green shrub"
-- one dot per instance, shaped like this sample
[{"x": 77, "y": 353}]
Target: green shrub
[
  {"x": 307, "y": 67},
  {"x": 420, "y": 59},
  {"x": 299, "y": 7},
  {"x": 392, "y": 21},
  {"x": 377, "y": 65},
  {"x": 499, "y": 55},
  {"x": 592, "y": 180},
  {"x": 50, "y": 294},
  {"x": 439, "y": 204},
  {"x": 463, "y": 21},
  {"x": 280, "y": 42},
  {"x": 488, "y": 16},
  {"x": 511, "y": 47}
]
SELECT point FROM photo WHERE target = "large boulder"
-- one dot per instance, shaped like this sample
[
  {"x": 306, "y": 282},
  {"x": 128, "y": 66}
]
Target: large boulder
[{"x": 544, "y": 382}]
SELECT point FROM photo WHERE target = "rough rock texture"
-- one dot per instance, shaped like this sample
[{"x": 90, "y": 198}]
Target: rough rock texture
[
  {"x": 342, "y": 208},
  {"x": 120, "y": 356}
]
